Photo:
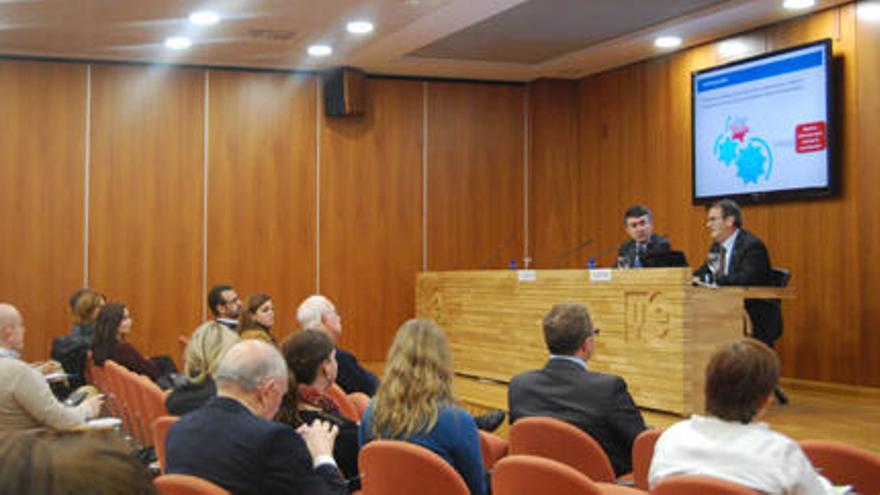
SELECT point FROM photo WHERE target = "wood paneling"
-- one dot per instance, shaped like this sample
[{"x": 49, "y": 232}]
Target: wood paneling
[
  {"x": 475, "y": 175},
  {"x": 635, "y": 136},
  {"x": 145, "y": 235},
  {"x": 261, "y": 187},
  {"x": 371, "y": 214},
  {"x": 42, "y": 123}
]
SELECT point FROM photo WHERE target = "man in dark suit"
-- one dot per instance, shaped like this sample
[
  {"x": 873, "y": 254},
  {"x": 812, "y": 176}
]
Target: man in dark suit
[
  {"x": 643, "y": 243},
  {"x": 564, "y": 389},
  {"x": 233, "y": 442},
  {"x": 743, "y": 261}
]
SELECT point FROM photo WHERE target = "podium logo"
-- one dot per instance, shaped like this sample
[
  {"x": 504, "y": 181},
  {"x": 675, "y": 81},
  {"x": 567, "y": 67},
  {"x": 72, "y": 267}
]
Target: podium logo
[
  {"x": 646, "y": 317},
  {"x": 751, "y": 155}
]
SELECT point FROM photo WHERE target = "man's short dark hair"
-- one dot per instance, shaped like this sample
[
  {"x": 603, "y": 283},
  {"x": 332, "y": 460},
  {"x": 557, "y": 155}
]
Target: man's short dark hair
[
  {"x": 739, "y": 378},
  {"x": 566, "y": 326},
  {"x": 729, "y": 208},
  {"x": 636, "y": 211},
  {"x": 215, "y": 297}
]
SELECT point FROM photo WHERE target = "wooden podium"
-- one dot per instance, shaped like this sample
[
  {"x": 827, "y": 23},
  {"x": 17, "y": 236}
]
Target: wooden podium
[{"x": 657, "y": 331}]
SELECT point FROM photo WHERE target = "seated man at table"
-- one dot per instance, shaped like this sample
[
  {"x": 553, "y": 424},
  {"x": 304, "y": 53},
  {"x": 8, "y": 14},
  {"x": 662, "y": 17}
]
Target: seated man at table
[
  {"x": 26, "y": 400},
  {"x": 233, "y": 442},
  {"x": 565, "y": 389},
  {"x": 643, "y": 243},
  {"x": 744, "y": 260},
  {"x": 728, "y": 443}
]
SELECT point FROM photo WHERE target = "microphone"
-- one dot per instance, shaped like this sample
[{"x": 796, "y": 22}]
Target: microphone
[
  {"x": 571, "y": 252},
  {"x": 602, "y": 252},
  {"x": 497, "y": 250}
]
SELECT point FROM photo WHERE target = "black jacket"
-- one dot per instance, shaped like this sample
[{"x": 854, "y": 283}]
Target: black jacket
[
  {"x": 597, "y": 403},
  {"x": 656, "y": 244}
]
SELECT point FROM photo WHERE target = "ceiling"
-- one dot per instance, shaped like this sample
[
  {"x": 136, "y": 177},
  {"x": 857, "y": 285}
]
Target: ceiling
[{"x": 517, "y": 40}]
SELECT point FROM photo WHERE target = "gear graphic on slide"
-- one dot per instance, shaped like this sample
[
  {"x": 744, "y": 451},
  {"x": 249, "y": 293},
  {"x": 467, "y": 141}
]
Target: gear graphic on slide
[{"x": 751, "y": 155}]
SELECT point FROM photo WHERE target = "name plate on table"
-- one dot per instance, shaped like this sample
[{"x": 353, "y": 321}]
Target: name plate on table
[
  {"x": 526, "y": 275},
  {"x": 600, "y": 275}
]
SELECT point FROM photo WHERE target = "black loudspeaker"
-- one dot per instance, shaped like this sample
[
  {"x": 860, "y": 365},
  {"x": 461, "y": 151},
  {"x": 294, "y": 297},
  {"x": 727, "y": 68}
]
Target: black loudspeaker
[{"x": 343, "y": 91}]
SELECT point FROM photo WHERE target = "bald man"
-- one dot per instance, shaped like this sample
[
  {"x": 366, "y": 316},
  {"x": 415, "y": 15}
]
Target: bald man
[{"x": 26, "y": 401}]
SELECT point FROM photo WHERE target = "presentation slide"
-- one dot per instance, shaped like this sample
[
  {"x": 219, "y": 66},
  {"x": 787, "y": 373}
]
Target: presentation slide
[{"x": 761, "y": 126}]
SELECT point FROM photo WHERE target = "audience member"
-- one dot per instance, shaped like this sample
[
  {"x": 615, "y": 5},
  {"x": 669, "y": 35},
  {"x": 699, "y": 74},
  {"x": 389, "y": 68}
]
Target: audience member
[
  {"x": 639, "y": 224},
  {"x": 225, "y": 305},
  {"x": 26, "y": 401},
  {"x": 257, "y": 319},
  {"x": 565, "y": 389},
  {"x": 317, "y": 313},
  {"x": 110, "y": 342},
  {"x": 85, "y": 305},
  {"x": 415, "y": 403},
  {"x": 70, "y": 464},
  {"x": 232, "y": 441},
  {"x": 201, "y": 358},
  {"x": 311, "y": 358},
  {"x": 728, "y": 443}
]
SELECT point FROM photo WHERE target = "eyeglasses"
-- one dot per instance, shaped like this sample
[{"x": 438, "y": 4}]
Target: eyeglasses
[{"x": 595, "y": 332}]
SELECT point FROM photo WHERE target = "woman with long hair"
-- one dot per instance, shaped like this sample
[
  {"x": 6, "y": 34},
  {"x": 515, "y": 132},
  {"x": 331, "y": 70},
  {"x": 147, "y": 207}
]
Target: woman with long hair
[
  {"x": 415, "y": 402},
  {"x": 311, "y": 359},
  {"x": 257, "y": 319},
  {"x": 112, "y": 328},
  {"x": 201, "y": 357}
]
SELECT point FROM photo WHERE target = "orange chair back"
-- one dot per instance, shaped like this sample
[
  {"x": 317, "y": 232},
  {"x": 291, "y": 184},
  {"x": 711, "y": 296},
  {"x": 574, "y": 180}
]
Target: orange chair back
[
  {"x": 360, "y": 401},
  {"x": 527, "y": 475},
  {"x": 642, "y": 453},
  {"x": 346, "y": 406},
  {"x": 153, "y": 401},
  {"x": 159, "y": 428},
  {"x": 493, "y": 448},
  {"x": 562, "y": 442},
  {"x": 391, "y": 467},
  {"x": 117, "y": 391},
  {"x": 845, "y": 464},
  {"x": 182, "y": 484},
  {"x": 699, "y": 485}
]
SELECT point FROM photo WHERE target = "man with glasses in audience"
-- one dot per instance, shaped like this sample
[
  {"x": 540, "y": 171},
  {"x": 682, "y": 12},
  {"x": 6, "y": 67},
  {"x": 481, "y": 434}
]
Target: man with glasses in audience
[{"x": 565, "y": 389}]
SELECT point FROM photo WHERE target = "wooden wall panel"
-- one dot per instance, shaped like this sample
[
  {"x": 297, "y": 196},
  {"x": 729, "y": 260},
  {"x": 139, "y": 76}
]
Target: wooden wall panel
[
  {"x": 635, "y": 136},
  {"x": 371, "y": 214},
  {"x": 145, "y": 235},
  {"x": 475, "y": 175},
  {"x": 555, "y": 175},
  {"x": 42, "y": 123},
  {"x": 261, "y": 187}
]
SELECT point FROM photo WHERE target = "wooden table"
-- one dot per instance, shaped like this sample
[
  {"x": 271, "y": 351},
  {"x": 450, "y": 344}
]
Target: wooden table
[{"x": 657, "y": 330}]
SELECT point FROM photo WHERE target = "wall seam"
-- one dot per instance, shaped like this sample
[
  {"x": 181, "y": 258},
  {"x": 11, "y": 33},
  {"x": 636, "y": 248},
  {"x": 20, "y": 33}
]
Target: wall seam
[
  {"x": 424, "y": 176},
  {"x": 526, "y": 258},
  {"x": 87, "y": 164},
  {"x": 318, "y": 95},
  {"x": 205, "y": 144}
]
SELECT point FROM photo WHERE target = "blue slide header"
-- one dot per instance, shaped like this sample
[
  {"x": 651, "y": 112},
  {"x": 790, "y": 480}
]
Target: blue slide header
[{"x": 793, "y": 64}]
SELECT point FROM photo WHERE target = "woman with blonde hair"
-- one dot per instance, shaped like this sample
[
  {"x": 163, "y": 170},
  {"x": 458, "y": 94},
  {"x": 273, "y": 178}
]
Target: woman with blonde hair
[
  {"x": 201, "y": 357},
  {"x": 415, "y": 403}
]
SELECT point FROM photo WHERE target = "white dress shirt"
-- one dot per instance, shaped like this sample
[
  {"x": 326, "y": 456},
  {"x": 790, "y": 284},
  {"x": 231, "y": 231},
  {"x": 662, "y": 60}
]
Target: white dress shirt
[{"x": 748, "y": 454}]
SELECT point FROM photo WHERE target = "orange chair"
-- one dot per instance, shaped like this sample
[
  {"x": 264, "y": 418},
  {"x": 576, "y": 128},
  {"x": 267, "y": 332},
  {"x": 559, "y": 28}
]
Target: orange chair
[
  {"x": 346, "y": 407},
  {"x": 562, "y": 442},
  {"x": 160, "y": 427},
  {"x": 493, "y": 448},
  {"x": 527, "y": 475},
  {"x": 182, "y": 484},
  {"x": 699, "y": 485},
  {"x": 360, "y": 401},
  {"x": 391, "y": 467},
  {"x": 153, "y": 404},
  {"x": 845, "y": 464},
  {"x": 643, "y": 451},
  {"x": 117, "y": 394}
]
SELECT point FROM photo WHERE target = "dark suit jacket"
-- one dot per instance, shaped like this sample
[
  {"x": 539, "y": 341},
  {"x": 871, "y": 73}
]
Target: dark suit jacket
[
  {"x": 597, "y": 403},
  {"x": 656, "y": 244},
  {"x": 223, "y": 442},
  {"x": 352, "y": 377},
  {"x": 750, "y": 265}
]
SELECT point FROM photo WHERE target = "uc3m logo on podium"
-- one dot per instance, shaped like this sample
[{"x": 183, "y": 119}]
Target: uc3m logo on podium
[{"x": 646, "y": 317}]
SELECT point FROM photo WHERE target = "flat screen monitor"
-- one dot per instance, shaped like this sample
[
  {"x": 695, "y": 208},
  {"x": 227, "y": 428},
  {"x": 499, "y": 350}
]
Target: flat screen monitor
[{"x": 763, "y": 127}]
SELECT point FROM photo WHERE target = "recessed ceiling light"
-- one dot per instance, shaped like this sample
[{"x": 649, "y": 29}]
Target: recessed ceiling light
[
  {"x": 868, "y": 11},
  {"x": 667, "y": 42},
  {"x": 320, "y": 50},
  {"x": 178, "y": 42},
  {"x": 359, "y": 27},
  {"x": 798, "y": 4},
  {"x": 204, "y": 18},
  {"x": 732, "y": 48}
]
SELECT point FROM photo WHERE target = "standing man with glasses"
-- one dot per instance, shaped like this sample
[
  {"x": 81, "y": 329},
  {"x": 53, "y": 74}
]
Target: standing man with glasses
[{"x": 565, "y": 389}]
